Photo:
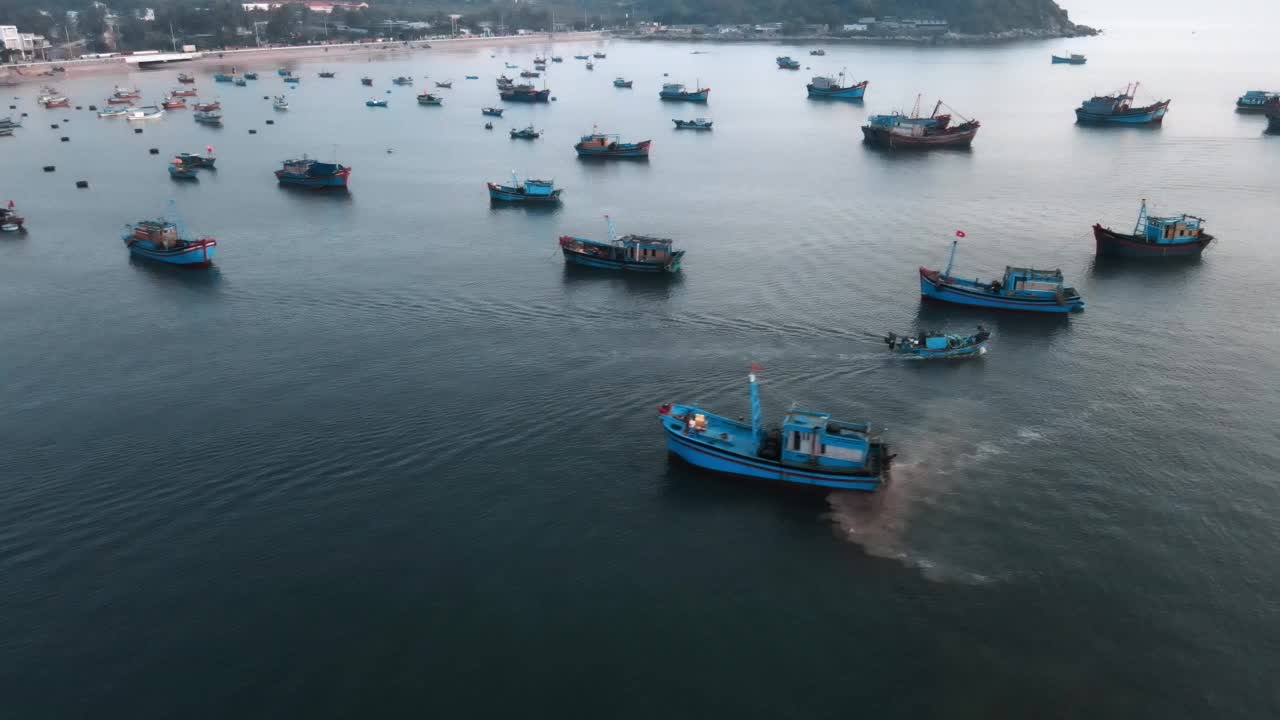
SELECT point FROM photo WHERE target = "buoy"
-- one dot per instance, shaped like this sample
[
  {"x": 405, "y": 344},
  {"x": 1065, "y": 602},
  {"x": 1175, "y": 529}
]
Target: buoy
[
  {"x": 79, "y": 108},
  {"x": 48, "y": 168},
  {"x": 264, "y": 97},
  {"x": 66, "y": 139},
  {"x": 93, "y": 107},
  {"x": 253, "y": 132},
  {"x": 154, "y": 151},
  {"x": 137, "y": 131},
  {"x": 271, "y": 122},
  {"x": 24, "y": 114},
  {"x": 553, "y": 99},
  {"x": 13, "y": 107},
  {"x": 82, "y": 183},
  {"x": 54, "y": 126}
]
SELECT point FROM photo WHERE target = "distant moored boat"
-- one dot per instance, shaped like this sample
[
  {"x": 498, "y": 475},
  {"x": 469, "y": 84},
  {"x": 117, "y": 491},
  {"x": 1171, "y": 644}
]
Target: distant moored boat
[
  {"x": 834, "y": 88},
  {"x": 1072, "y": 59},
  {"x": 1259, "y": 101},
  {"x": 530, "y": 191},
  {"x": 306, "y": 172},
  {"x": 694, "y": 124},
  {"x": 524, "y": 93},
  {"x": 786, "y": 63},
  {"x": 676, "y": 91},
  {"x": 1118, "y": 109},
  {"x": 897, "y": 131},
  {"x": 601, "y": 145},
  {"x": 929, "y": 345},
  {"x": 638, "y": 253}
]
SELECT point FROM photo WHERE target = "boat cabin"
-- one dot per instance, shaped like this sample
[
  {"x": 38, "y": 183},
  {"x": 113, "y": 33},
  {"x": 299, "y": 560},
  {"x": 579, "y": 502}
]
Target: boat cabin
[
  {"x": 1259, "y": 99},
  {"x": 1107, "y": 104},
  {"x": 538, "y": 188},
  {"x": 1030, "y": 282},
  {"x": 814, "y": 439},
  {"x": 161, "y": 233},
  {"x": 673, "y": 88},
  {"x": 1172, "y": 230}
]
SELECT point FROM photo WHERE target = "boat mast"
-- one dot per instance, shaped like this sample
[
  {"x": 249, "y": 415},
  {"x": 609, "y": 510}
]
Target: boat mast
[
  {"x": 936, "y": 107},
  {"x": 1142, "y": 218},
  {"x": 915, "y": 109},
  {"x": 613, "y": 236},
  {"x": 952, "y": 259},
  {"x": 755, "y": 400}
]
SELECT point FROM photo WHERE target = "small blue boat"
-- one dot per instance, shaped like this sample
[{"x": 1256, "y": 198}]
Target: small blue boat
[
  {"x": 1258, "y": 101},
  {"x": 931, "y": 345},
  {"x": 495, "y": 112},
  {"x": 694, "y": 124},
  {"x": 1118, "y": 109},
  {"x": 639, "y": 253},
  {"x": 527, "y": 133},
  {"x": 375, "y": 103},
  {"x": 222, "y": 77},
  {"x": 283, "y": 72},
  {"x": 180, "y": 171},
  {"x": 1025, "y": 289},
  {"x": 541, "y": 192},
  {"x": 809, "y": 449},
  {"x": 239, "y": 82},
  {"x": 251, "y": 76},
  {"x": 158, "y": 240},
  {"x": 293, "y": 79},
  {"x": 786, "y": 63},
  {"x": 1072, "y": 59},
  {"x": 306, "y": 172},
  {"x": 473, "y": 77},
  {"x": 834, "y": 88},
  {"x": 676, "y": 91},
  {"x": 619, "y": 82}
]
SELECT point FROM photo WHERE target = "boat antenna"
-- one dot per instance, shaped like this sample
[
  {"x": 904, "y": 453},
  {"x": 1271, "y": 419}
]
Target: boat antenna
[
  {"x": 1142, "y": 217},
  {"x": 755, "y": 398},
  {"x": 951, "y": 260},
  {"x": 915, "y": 109},
  {"x": 613, "y": 236}
]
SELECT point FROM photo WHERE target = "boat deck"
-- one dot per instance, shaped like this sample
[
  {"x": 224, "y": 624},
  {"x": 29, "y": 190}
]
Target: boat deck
[{"x": 718, "y": 432}]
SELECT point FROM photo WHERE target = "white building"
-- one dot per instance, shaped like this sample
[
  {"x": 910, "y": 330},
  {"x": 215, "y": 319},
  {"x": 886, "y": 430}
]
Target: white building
[{"x": 23, "y": 46}]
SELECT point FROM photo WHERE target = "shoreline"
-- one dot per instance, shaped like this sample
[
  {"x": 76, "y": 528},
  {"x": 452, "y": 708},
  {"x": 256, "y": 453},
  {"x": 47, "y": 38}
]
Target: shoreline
[
  {"x": 43, "y": 71},
  {"x": 945, "y": 39}
]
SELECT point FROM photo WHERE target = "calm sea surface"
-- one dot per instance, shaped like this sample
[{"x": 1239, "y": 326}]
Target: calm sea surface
[{"x": 390, "y": 458}]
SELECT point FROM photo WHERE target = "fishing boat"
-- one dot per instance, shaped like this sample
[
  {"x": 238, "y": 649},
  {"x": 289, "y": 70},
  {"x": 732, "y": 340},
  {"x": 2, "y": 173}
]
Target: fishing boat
[
  {"x": 637, "y": 253},
  {"x": 54, "y": 101},
  {"x": 366, "y": 81},
  {"x": 694, "y": 124},
  {"x": 591, "y": 65},
  {"x": 240, "y": 82},
  {"x": 472, "y": 77},
  {"x": 185, "y": 79},
  {"x": 183, "y": 92},
  {"x": 542, "y": 192},
  {"x": 678, "y": 92},
  {"x": 818, "y": 52},
  {"x": 598, "y": 55},
  {"x": 402, "y": 80},
  {"x": 8, "y": 122},
  {"x": 326, "y": 74},
  {"x": 292, "y": 79},
  {"x": 556, "y": 58},
  {"x": 577, "y": 57},
  {"x": 179, "y": 171},
  {"x": 208, "y": 117},
  {"x": 509, "y": 66},
  {"x": 1258, "y": 101},
  {"x": 446, "y": 84},
  {"x": 621, "y": 83},
  {"x": 282, "y": 72},
  {"x": 525, "y": 134},
  {"x": 786, "y": 63},
  {"x": 495, "y": 112},
  {"x": 112, "y": 112},
  {"x": 601, "y": 145},
  {"x": 524, "y": 93},
  {"x": 504, "y": 81},
  {"x": 222, "y": 77},
  {"x": 427, "y": 98},
  {"x": 1173, "y": 236},
  {"x": 132, "y": 93},
  {"x": 150, "y": 112},
  {"x": 488, "y": 126},
  {"x": 374, "y": 102},
  {"x": 930, "y": 345},
  {"x": 835, "y": 88},
  {"x": 910, "y": 132},
  {"x": 809, "y": 449},
  {"x": 1273, "y": 123},
  {"x": 119, "y": 100},
  {"x": 207, "y": 107},
  {"x": 250, "y": 76},
  {"x": 279, "y": 103},
  {"x": 159, "y": 240},
  {"x": 10, "y": 220},
  {"x": 306, "y": 172},
  {"x": 539, "y": 60},
  {"x": 1072, "y": 59},
  {"x": 198, "y": 161},
  {"x": 540, "y": 66},
  {"x": 1025, "y": 289},
  {"x": 1118, "y": 109},
  {"x": 530, "y": 74},
  {"x": 174, "y": 103}
]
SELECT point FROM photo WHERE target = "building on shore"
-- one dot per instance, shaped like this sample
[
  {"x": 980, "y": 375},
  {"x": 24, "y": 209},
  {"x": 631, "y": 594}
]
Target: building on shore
[{"x": 18, "y": 46}]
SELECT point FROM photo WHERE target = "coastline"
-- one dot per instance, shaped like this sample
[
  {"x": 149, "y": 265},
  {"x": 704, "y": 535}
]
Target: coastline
[
  {"x": 944, "y": 39},
  {"x": 42, "y": 71}
]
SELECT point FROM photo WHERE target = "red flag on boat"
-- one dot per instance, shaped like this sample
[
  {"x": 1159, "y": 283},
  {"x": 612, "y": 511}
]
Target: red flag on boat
[
  {"x": 208, "y": 149},
  {"x": 959, "y": 233},
  {"x": 756, "y": 367}
]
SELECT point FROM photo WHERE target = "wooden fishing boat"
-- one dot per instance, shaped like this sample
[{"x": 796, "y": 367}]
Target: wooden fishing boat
[
  {"x": 179, "y": 171},
  {"x": 1072, "y": 59},
  {"x": 183, "y": 92},
  {"x": 427, "y": 98},
  {"x": 525, "y": 93},
  {"x": 527, "y": 133},
  {"x": 174, "y": 103},
  {"x": 932, "y": 345},
  {"x": 621, "y": 83},
  {"x": 495, "y": 112},
  {"x": 602, "y": 145},
  {"x": 150, "y": 112},
  {"x": 809, "y": 449},
  {"x": 1025, "y": 289},
  {"x": 786, "y": 63},
  {"x": 835, "y": 88},
  {"x": 159, "y": 240},
  {"x": 326, "y": 74},
  {"x": 537, "y": 192},
  {"x": 366, "y": 81},
  {"x": 445, "y": 84},
  {"x": 309, "y": 173},
  {"x": 185, "y": 79},
  {"x": 1258, "y": 101},
  {"x": 678, "y": 92},
  {"x": 279, "y": 103},
  {"x": 374, "y": 102},
  {"x": 402, "y": 80},
  {"x": 897, "y": 131},
  {"x": 208, "y": 117},
  {"x": 54, "y": 101},
  {"x": 1118, "y": 109},
  {"x": 119, "y": 101},
  {"x": 694, "y": 124},
  {"x": 1173, "y": 236},
  {"x": 10, "y": 220},
  {"x": 634, "y": 253}
]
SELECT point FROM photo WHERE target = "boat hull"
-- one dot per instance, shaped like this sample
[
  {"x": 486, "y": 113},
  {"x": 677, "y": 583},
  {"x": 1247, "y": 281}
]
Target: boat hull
[
  {"x": 1151, "y": 115},
  {"x": 500, "y": 193},
  {"x": 609, "y": 264},
  {"x": 1273, "y": 124},
  {"x": 337, "y": 180},
  {"x": 937, "y": 290},
  {"x": 704, "y": 456},
  {"x": 697, "y": 97},
  {"x": 641, "y": 150},
  {"x": 855, "y": 92},
  {"x": 537, "y": 96},
  {"x": 195, "y": 254},
  {"x": 1114, "y": 244},
  {"x": 881, "y": 137},
  {"x": 1067, "y": 61}
]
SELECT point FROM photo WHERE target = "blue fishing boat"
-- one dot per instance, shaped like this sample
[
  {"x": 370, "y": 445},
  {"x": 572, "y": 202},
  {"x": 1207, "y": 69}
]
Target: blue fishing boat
[
  {"x": 251, "y": 76},
  {"x": 1173, "y": 236},
  {"x": 676, "y": 91},
  {"x": 541, "y": 192},
  {"x": 306, "y": 172},
  {"x": 495, "y": 112},
  {"x": 527, "y": 133},
  {"x": 198, "y": 161},
  {"x": 524, "y": 93},
  {"x": 375, "y": 103},
  {"x": 604, "y": 145},
  {"x": 621, "y": 83},
  {"x": 1072, "y": 59},
  {"x": 179, "y": 171},
  {"x": 1258, "y": 101},
  {"x": 638, "y": 253},
  {"x": 834, "y": 88},
  {"x": 111, "y": 112},
  {"x": 811, "y": 448},
  {"x": 327, "y": 74},
  {"x": 931, "y": 345},
  {"x": 222, "y": 77},
  {"x": 694, "y": 124},
  {"x": 1022, "y": 289},
  {"x": 1118, "y": 109},
  {"x": 556, "y": 58},
  {"x": 159, "y": 240},
  {"x": 427, "y": 98},
  {"x": 575, "y": 57},
  {"x": 598, "y": 55},
  {"x": 473, "y": 77},
  {"x": 283, "y": 72},
  {"x": 786, "y": 63},
  {"x": 239, "y": 82},
  {"x": 367, "y": 81}
]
